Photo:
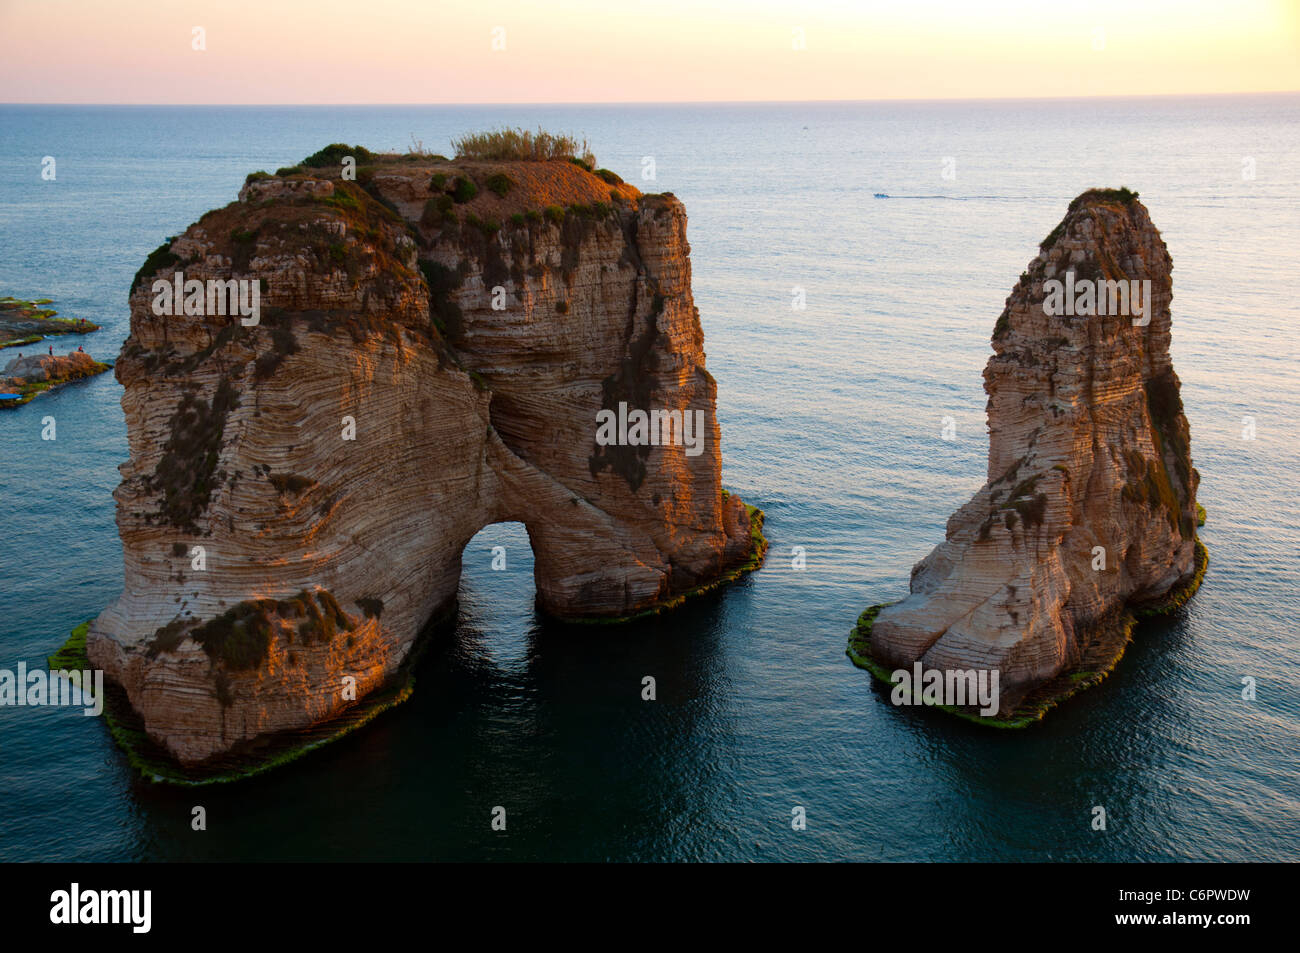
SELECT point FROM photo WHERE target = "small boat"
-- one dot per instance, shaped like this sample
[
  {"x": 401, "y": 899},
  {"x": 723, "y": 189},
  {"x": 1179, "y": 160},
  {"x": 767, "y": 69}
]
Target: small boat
[{"x": 881, "y": 195}]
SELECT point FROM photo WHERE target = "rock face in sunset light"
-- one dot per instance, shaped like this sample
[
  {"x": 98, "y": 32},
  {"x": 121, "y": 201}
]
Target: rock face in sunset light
[
  {"x": 1088, "y": 519},
  {"x": 333, "y": 460}
]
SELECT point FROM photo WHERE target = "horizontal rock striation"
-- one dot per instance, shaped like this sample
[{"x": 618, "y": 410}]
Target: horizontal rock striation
[
  {"x": 1089, "y": 514},
  {"x": 435, "y": 341}
]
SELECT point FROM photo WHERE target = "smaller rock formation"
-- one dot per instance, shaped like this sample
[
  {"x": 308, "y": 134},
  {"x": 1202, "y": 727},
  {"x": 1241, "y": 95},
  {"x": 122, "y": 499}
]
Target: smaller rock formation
[
  {"x": 1088, "y": 519},
  {"x": 25, "y": 377},
  {"x": 28, "y": 323}
]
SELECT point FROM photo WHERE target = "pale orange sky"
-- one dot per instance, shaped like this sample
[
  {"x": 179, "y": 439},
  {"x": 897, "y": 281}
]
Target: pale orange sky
[{"x": 427, "y": 51}]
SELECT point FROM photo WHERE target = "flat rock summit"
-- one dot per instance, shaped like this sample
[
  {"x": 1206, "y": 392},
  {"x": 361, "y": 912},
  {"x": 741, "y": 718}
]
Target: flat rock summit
[
  {"x": 429, "y": 352},
  {"x": 1088, "y": 517}
]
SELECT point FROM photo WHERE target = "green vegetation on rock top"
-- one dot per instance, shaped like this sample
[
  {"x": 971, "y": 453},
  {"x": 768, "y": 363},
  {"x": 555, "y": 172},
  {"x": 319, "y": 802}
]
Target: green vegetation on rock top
[
  {"x": 334, "y": 153},
  {"x": 1123, "y": 195}
]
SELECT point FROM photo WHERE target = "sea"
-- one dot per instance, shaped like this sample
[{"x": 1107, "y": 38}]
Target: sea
[{"x": 849, "y": 262}]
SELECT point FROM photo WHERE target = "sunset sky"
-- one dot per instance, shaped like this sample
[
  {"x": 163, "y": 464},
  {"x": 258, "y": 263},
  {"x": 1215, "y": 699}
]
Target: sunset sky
[{"x": 425, "y": 51}]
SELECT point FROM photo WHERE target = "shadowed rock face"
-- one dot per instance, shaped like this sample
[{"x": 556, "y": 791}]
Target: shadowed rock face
[
  {"x": 325, "y": 556},
  {"x": 1089, "y": 459}
]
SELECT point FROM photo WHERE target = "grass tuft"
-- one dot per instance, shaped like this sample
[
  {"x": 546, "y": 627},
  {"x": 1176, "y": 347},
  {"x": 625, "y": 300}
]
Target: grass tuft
[{"x": 522, "y": 145}]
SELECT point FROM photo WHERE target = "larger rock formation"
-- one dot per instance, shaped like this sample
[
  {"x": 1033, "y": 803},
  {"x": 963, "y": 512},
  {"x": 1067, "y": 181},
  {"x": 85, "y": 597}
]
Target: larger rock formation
[
  {"x": 436, "y": 340},
  {"x": 1089, "y": 514}
]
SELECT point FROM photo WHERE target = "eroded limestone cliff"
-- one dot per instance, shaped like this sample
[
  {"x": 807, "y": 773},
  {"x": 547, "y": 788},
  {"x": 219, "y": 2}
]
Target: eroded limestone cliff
[
  {"x": 333, "y": 459},
  {"x": 1089, "y": 514}
]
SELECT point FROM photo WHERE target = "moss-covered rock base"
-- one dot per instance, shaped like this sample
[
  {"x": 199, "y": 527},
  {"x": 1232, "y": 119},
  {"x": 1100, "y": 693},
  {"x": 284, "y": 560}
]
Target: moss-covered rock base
[
  {"x": 1109, "y": 640},
  {"x": 154, "y": 765}
]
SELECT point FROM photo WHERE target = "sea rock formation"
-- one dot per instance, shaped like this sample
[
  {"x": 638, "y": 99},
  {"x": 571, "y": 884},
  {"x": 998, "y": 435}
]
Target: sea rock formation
[
  {"x": 28, "y": 322},
  {"x": 31, "y": 374},
  {"x": 1089, "y": 514},
  {"x": 435, "y": 342},
  {"x": 25, "y": 324}
]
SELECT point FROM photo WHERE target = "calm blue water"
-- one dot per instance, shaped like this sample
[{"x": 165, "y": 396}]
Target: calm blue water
[{"x": 831, "y": 421}]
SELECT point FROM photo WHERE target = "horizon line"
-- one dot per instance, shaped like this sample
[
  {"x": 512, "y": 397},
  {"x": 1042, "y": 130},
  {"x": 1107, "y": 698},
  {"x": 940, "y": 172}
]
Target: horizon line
[{"x": 686, "y": 102}]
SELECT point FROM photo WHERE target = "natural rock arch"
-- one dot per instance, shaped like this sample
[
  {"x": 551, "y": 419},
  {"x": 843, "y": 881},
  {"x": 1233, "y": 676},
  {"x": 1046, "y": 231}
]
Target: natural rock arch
[{"x": 334, "y": 459}]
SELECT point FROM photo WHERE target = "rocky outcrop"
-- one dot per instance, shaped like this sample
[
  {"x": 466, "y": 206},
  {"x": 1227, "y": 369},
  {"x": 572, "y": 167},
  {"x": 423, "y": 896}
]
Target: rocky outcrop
[
  {"x": 25, "y": 324},
  {"x": 28, "y": 322},
  {"x": 1089, "y": 514},
  {"x": 24, "y": 377},
  {"x": 434, "y": 345}
]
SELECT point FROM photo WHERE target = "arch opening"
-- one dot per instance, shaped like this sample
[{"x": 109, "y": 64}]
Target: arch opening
[{"x": 498, "y": 591}]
